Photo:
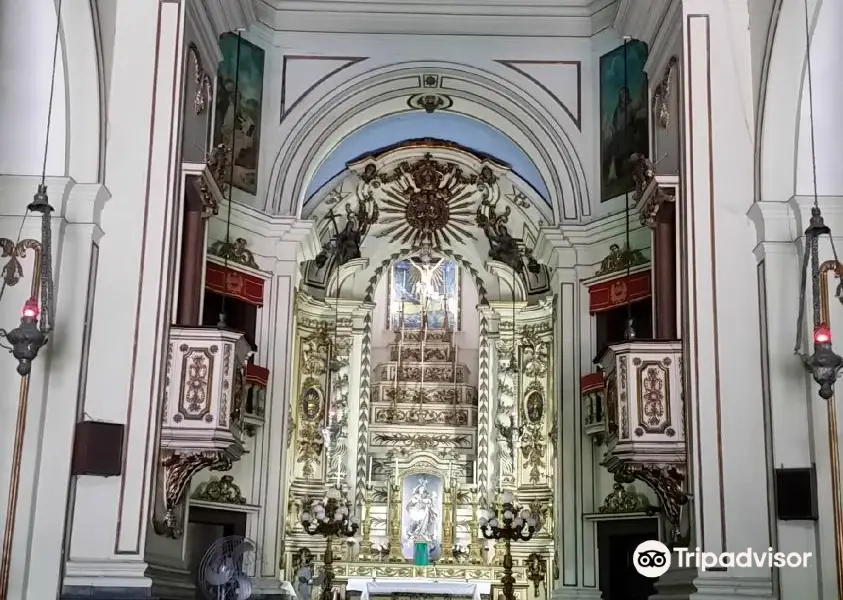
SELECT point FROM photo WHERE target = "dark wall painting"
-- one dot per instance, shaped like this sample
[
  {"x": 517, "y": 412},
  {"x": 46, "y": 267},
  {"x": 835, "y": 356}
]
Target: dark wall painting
[
  {"x": 624, "y": 116},
  {"x": 240, "y": 131}
]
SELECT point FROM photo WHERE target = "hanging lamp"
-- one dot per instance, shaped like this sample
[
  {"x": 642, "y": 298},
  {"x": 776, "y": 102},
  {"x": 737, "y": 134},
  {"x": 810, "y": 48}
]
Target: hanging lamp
[
  {"x": 36, "y": 323},
  {"x": 823, "y": 363}
]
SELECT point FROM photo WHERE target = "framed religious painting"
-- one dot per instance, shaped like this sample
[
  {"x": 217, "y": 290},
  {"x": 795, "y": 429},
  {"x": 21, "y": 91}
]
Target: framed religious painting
[
  {"x": 624, "y": 116},
  {"x": 240, "y": 91}
]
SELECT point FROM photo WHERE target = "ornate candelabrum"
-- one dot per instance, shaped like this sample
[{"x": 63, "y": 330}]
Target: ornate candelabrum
[
  {"x": 474, "y": 555},
  {"x": 509, "y": 524},
  {"x": 330, "y": 518},
  {"x": 448, "y": 504},
  {"x": 366, "y": 542},
  {"x": 395, "y": 554}
]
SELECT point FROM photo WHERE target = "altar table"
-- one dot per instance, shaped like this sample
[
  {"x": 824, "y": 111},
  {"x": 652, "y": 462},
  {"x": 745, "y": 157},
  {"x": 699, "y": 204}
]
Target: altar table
[{"x": 382, "y": 587}]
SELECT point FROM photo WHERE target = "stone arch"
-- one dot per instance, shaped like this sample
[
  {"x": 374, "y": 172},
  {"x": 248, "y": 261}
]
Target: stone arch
[
  {"x": 84, "y": 90},
  {"x": 780, "y": 105},
  {"x": 365, "y": 95}
]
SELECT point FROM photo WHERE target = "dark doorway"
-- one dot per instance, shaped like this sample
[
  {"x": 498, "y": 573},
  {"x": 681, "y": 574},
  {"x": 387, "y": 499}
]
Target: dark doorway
[
  {"x": 616, "y": 543},
  {"x": 206, "y": 526}
]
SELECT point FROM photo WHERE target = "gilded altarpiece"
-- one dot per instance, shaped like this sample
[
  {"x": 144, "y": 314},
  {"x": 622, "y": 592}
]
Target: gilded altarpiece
[{"x": 525, "y": 417}]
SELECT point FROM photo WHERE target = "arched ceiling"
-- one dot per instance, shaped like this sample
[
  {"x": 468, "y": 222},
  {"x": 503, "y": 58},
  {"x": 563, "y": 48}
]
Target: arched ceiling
[
  {"x": 427, "y": 193},
  {"x": 312, "y": 131}
]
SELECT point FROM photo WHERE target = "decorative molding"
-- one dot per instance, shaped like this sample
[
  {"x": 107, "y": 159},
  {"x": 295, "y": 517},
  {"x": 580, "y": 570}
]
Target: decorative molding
[
  {"x": 483, "y": 409},
  {"x": 349, "y": 61},
  {"x": 576, "y": 114},
  {"x": 364, "y": 400},
  {"x": 235, "y": 252},
  {"x": 661, "y": 95},
  {"x": 620, "y": 500},
  {"x": 649, "y": 194},
  {"x": 220, "y": 490},
  {"x": 430, "y": 102},
  {"x": 202, "y": 97},
  {"x": 578, "y": 18},
  {"x": 15, "y": 252},
  {"x": 619, "y": 260},
  {"x": 178, "y": 470}
]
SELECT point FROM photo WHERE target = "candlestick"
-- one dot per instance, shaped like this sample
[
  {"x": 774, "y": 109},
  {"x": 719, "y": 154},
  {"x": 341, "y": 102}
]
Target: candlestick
[
  {"x": 338, "y": 475},
  {"x": 369, "y": 474},
  {"x": 449, "y": 471},
  {"x": 396, "y": 470},
  {"x": 475, "y": 473}
]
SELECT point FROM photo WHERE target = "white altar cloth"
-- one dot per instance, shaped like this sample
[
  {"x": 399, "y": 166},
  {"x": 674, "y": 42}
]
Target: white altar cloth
[{"x": 376, "y": 587}]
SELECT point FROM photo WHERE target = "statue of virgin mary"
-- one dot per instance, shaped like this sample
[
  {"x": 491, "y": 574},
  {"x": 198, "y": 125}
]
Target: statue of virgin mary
[{"x": 421, "y": 509}]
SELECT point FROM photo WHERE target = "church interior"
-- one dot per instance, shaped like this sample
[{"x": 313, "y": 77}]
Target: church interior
[{"x": 455, "y": 299}]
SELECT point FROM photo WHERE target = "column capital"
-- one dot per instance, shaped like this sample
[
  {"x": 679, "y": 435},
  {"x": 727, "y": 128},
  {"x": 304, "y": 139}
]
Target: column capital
[
  {"x": 72, "y": 201},
  {"x": 774, "y": 221},
  {"x": 271, "y": 238},
  {"x": 831, "y": 207},
  {"x": 554, "y": 249}
]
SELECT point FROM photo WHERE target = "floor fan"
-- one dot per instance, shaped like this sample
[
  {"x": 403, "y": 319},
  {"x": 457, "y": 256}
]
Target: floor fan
[{"x": 223, "y": 572}]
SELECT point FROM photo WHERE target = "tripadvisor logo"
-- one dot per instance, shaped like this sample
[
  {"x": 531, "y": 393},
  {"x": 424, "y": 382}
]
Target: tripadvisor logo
[{"x": 653, "y": 559}]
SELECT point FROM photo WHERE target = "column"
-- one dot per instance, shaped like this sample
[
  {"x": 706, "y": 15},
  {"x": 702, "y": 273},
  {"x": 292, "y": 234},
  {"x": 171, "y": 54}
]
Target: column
[
  {"x": 788, "y": 416},
  {"x": 723, "y": 383},
  {"x": 664, "y": 272},
  {"x": 280, "y": 360},
  {"x": 191, "y": 260},
  {"x": 34, "y": 524},
  {"x": 134, "y": 294},
  {"x": 576, "y": 552}
]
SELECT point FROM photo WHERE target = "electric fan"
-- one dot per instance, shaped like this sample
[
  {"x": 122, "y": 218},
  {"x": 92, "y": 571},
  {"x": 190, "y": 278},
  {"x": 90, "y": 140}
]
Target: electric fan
[{"x": 224, "y": 570}]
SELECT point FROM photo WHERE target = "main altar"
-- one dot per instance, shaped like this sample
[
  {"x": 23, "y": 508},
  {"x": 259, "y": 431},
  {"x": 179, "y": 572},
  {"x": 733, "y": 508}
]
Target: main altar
[{"x": 421, "y": 392}]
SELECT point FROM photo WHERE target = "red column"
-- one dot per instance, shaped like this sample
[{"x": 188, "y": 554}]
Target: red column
[
  {"x": 192, "y": 258},
  {"x": 664, "y": 272}
]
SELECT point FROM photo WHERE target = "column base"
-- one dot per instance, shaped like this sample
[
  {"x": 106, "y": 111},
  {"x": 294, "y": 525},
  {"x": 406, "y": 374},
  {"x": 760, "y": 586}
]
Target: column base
[
  {"x": 269, "y": 588},
  {"x": 688, "y": 584},
  {"x": 90, "y": 592},
  {"x": 171, "y": 583},
  {"x": 117, "y": 573},
  {"x": 576, "y": 593}
]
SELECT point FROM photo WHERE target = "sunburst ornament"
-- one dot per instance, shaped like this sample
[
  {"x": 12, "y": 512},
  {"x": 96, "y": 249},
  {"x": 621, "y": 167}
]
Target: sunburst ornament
[{"x": 428, "y": 201}]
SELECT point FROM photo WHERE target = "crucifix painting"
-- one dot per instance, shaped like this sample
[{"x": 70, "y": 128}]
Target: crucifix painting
[{"x": 424, "y": 294}]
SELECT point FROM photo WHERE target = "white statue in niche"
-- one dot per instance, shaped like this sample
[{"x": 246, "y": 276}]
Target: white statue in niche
[{"x": 422, "y": 511}]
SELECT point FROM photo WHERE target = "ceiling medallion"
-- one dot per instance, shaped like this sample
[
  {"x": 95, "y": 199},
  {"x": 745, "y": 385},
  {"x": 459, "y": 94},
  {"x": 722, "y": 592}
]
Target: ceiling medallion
[
  {"x": 430, "y": 102},
  {"x": 427, "y": 202}
]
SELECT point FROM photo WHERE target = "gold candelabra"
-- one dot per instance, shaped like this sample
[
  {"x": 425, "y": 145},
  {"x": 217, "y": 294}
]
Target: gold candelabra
[
  {"x": 449, "y": 502},
  {"x": 366, "y": 541},
  {"x": 395, "y": 554},
  {"x": 475, "y": 556}
]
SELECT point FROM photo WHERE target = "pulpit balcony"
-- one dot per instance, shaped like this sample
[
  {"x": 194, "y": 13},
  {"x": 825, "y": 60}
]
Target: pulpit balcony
[
  {"x": 204, "y": 406},
  {"x": 202, "y": 414},
  {"x": 643, "y": 395},
  {"x": 645, "y": 425},
  {"x": 592, "y": 394}
]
